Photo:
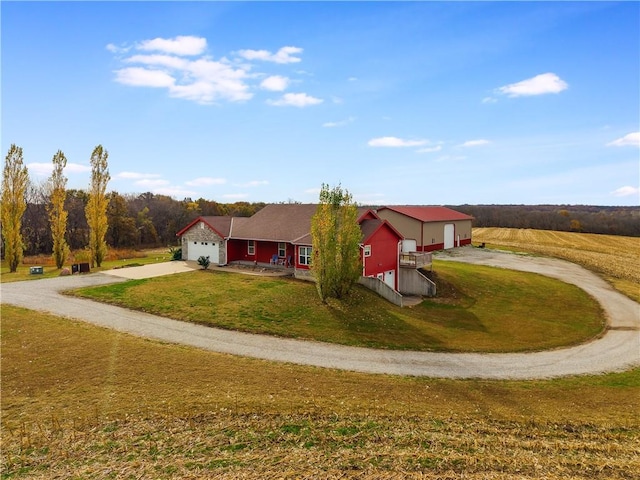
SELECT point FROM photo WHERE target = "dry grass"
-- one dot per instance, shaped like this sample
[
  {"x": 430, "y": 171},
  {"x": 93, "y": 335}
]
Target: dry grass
[
  {"x": 115, "y": 258},
  {"x": 100, "y": 404},
  {"x": 615, "y": 257}
]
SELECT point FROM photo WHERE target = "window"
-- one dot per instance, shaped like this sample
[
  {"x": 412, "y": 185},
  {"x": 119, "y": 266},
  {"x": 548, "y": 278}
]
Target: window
[
  {"x": 251, "y": 247},
  {"x": 282, "y": 249},
  {"x": 367, "y": 250},
  {"x": 304, "y": 255}
]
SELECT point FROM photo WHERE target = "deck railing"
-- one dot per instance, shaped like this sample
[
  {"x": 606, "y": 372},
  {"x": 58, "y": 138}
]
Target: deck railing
[{"x": 415, "y": 259}]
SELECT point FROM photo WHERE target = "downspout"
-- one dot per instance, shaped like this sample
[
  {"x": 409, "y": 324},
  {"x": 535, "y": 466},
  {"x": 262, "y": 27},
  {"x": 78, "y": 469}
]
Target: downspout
[
  {"x": 398, "y": 265},
  {"x": 364, "y": 266}
]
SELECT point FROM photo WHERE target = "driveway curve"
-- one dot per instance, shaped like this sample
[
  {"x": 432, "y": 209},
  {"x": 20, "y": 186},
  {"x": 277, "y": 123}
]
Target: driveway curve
[{"x": 616, "y": 350}]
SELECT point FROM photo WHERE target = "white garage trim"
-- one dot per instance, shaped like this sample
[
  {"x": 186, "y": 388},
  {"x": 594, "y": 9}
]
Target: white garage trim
[{"x": 197, "y": 249}]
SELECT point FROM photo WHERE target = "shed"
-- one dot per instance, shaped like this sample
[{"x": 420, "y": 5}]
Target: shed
[{"x": 431, "y": 227}]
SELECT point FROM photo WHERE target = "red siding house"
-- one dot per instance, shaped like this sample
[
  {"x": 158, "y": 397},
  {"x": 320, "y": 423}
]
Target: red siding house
[{"x": 280, "y": 234}]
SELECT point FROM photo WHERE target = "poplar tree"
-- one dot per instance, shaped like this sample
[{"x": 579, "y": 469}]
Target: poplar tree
[
  {"x": 55, "y": 208},
  {"x": 15, "y": 179},
  {"x": 336, "y": 238},
  {"x": 96, "y": 209}
]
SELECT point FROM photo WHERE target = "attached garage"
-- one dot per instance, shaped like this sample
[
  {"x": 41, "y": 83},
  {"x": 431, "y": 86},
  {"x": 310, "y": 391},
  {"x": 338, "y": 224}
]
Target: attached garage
[
  {"x": 206, "y": 237},
  {"x": 197, "y": 249}
]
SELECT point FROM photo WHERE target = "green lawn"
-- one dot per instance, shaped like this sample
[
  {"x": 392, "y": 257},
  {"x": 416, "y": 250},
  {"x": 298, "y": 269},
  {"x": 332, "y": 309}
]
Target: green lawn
[{"x": 480, "y": 309}]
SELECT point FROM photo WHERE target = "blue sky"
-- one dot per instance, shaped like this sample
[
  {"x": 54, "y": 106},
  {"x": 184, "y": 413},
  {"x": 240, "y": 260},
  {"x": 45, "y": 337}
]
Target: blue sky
[{"x": 401, "y": 103}]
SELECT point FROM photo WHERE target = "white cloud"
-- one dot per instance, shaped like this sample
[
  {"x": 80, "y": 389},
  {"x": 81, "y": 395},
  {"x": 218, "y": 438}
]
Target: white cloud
[
  {"x": 275, "y": 83},
  {"x": 353, "y": 79},
  {"x": 489, "y": 100},
  {"x": 180, "y": 45},
  {"x": 180, "y": 66},
  {"x": 437, "y": 148},
  {"x": 177, "y": 192},
  {"x": 44, "y": 169},
  {"x": 538, "y": 85},
  {"x": 626, "y": 191},
  {"x": 142, "y": 77},
  {"x": 40, "y": 169},
  {"x": 159, "y": 60},
  {"x": 253, "y": 183},
  {"x": 77, "y": 168},
  {"x": 202, "y": 80},
  {"x": 284, "y": 55},
  {"x": 116, "y": 49},
  {"x": 312, "y": 191},
  {"x": 136, "y": 175},
  {"x": 629, "y": 140},
  {"x": 475, "y": 143},
  {"x": 395, "y": 142},
  {"x": 340, "y": 123},
  {"x": 204, "y": 181},
  {"x": 295, "y": 100},
  {"x": 151, "y": 182}
]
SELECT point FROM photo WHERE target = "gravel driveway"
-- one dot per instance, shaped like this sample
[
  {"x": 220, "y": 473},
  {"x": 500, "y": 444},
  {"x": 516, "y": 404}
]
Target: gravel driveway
[{"x": 617, "y": 349}]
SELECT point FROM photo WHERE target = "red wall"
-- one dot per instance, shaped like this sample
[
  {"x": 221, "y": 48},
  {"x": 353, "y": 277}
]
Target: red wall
[
  {"x": 384, "y": 253},
  {"x": 237, "y": 250}
]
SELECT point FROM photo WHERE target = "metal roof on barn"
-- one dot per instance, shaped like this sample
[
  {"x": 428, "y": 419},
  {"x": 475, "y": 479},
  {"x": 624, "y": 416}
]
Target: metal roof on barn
[{"x": 428, "y": 213}]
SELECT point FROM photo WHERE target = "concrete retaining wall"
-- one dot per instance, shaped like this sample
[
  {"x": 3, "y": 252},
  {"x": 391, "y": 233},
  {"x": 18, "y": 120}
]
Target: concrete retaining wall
[
  {"x": 382, "y": 289},
  {"x": 412, "y": 282}
]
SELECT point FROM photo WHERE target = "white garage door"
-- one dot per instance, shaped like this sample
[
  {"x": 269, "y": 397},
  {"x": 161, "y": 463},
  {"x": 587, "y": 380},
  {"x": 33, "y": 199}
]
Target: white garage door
[
  {"x": 448, "y": 235},
  {"x": 206, "y": 249}
]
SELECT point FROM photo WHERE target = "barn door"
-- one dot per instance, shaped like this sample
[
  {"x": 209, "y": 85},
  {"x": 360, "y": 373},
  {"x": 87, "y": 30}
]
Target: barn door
[{"x": 449, "y": 232}]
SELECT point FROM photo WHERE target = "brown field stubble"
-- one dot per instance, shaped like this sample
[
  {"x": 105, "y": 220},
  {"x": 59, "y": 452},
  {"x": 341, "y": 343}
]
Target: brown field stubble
[
  {"x": 100, "y": 404},
  {"x": 617, "y": 258}
]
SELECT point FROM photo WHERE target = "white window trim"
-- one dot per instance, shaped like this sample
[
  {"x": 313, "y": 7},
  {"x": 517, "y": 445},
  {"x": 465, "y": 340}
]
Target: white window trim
[
  {"x": 251, "y": 247},
  {"x": 304, "y": 258},
  {"x": 367, "y": 250},
  {"x": 282, "y": 249}
]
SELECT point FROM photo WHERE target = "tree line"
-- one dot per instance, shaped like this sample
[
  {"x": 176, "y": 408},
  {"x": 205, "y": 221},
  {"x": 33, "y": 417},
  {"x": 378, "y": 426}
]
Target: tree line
[
  {"x": 47, "y": 218},
  {"x": 564, "y": 218}
]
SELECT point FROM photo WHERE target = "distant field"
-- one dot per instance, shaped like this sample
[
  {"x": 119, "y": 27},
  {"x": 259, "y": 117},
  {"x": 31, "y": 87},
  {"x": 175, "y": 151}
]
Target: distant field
[{"x": 615, "y": 257}]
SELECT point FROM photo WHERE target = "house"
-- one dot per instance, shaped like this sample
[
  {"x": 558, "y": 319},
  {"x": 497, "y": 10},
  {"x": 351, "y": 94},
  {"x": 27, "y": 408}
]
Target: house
[
  {"x": 206, "y": 236},
  {"x": 281, "y": 234},
  {"x": 427, "y": 228}
]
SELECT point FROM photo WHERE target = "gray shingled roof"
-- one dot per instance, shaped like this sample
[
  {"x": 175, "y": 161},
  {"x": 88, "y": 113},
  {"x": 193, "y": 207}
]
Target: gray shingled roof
[{"x": 285, "y": 222}]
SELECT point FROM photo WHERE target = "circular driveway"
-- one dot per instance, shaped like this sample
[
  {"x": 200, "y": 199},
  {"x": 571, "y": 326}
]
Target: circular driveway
[{"x": 617, "y": 349}]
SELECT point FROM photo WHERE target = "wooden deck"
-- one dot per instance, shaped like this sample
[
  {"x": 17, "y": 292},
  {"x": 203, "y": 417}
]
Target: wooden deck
[{"x": 415, "y": 259}]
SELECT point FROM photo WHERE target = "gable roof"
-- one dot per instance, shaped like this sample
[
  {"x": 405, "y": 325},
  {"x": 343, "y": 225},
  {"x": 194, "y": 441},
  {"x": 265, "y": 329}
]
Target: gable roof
[
  {"x": 370, "y": 226},
  {"x": 276, "y": 223},
  {"x": 428, "y": 213},
  {"x": 285, "y": 222},
  {"x": 219, "y": 224}
]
